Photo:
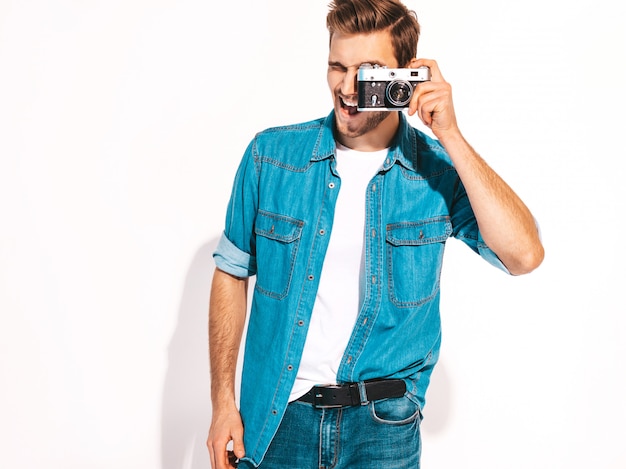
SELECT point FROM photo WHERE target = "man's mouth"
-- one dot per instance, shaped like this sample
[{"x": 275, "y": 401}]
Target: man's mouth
[{"x": 349, "y": 105}]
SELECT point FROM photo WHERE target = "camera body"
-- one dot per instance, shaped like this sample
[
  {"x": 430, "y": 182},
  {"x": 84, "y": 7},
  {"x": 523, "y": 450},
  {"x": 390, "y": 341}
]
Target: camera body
[{"x": 387, "y": 89}]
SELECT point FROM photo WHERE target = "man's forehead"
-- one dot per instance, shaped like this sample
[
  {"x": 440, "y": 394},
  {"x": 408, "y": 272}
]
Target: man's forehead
[{"x": 352, "y": 50}]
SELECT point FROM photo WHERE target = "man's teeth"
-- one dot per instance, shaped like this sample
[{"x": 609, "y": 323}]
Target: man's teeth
[{"x": 349, "y": 103}]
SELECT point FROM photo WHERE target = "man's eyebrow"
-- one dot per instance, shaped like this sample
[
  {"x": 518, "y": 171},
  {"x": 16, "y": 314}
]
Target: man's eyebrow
[{"x": 335, "y": 63}]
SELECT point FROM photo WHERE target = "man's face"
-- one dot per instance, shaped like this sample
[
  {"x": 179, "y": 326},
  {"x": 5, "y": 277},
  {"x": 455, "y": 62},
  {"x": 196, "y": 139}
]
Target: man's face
[{"x": 347, "y": 53}]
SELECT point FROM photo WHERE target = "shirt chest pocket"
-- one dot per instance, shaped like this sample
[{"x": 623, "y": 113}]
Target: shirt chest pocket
[
  {"x": 277, "y": 242},
  {"x": 414, "y": 254}
]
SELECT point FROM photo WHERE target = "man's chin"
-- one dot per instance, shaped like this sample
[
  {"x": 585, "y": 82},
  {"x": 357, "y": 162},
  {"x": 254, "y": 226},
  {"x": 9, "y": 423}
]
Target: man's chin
[{"x": 358, "y": 124}]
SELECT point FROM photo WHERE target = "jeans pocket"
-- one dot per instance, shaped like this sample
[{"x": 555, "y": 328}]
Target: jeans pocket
[{"x": 396, "y": 411}]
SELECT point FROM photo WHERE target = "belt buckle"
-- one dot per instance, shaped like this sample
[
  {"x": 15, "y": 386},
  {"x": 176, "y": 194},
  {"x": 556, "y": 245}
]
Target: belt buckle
[{"x": 319, "y": 396}]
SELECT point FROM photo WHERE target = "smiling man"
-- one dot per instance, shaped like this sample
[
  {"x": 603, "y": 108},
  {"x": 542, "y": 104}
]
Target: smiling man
[
  {"x": 344, "y": 220},
  {"x": 363, "y": 131}
]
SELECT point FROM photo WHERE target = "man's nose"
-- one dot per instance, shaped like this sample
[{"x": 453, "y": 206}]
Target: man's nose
[{"x": 348, "y": 86}]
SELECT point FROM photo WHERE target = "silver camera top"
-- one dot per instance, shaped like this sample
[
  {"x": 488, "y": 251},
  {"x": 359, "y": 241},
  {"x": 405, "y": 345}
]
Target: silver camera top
[{"x": 369, "y": 72}]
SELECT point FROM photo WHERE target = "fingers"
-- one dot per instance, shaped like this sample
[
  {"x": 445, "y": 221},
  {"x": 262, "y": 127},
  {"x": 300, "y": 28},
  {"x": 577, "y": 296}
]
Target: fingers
[
  {"x": 226, "y": 430},
  {"x": 221, "y": 457},
  {"x": 423, "y": 89},
  {"x": 217, "y": 456},
  {"x": 238, "y": 449},
  {"x": 435, "y": 73},
  {"x": 432, "y": 100}
]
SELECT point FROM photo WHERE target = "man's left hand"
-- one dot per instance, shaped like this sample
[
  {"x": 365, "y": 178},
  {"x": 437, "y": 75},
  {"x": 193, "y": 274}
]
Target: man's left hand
[{"x": 432, "y": 100}]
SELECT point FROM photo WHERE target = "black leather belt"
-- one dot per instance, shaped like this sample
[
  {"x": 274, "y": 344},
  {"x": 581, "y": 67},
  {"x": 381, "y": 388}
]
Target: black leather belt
[{"x": 343, "y": 395}]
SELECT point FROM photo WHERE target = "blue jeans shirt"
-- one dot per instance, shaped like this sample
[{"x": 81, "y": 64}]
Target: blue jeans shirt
[{"x": 278, "y": 223}]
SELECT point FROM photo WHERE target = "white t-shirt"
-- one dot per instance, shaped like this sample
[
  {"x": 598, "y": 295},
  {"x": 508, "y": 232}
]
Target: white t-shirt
[{"x": 338, "y": 298}]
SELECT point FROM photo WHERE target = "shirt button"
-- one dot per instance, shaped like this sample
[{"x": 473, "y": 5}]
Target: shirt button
[
  {"x": 373, "y": 233},
  {"x": 290, "y": 367},
  {"x": 331, "y": 185},
  {"x": 373, "y": 187},
  {"x": 310, "y": 277},
  {"x": 300, "y": 323},
  {"x": 322, "y": 232},
  {"x": 373, "y": 279}
]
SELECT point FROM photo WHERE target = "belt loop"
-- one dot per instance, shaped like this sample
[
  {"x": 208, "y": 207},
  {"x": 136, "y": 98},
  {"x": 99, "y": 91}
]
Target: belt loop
[{"x": 362, "y": 393}]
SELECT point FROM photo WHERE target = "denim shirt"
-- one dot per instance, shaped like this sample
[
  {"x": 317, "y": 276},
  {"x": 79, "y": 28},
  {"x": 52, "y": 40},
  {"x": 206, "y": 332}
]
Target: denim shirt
[{"x": 278, "y": 224}]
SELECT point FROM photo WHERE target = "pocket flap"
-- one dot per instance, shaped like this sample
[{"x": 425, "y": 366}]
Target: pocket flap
[
  {"x": 278, "y": 227},
  {"x": 431, "y": 230}
]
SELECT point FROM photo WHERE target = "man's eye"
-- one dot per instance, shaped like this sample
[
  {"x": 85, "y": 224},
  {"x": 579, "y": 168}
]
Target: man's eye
[{"x": 337, "y": 68}]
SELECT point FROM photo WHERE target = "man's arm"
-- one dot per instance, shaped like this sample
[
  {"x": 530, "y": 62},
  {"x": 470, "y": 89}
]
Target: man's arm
[
  {"x": 227, "y": 314},
  {"x": 504, "y": 221}
]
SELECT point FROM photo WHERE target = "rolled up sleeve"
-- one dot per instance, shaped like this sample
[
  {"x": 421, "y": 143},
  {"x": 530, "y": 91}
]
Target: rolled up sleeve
[{"x": 233, "y": 260}]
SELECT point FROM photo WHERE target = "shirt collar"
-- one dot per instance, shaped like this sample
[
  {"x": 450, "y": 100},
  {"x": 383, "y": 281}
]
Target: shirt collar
[
  {"x": 325, "y": 144},
  {"x": 403, "y": 149}
]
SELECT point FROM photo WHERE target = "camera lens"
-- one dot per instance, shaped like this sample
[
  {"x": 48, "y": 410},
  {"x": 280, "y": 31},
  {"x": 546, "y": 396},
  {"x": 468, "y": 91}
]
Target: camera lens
[{"x": 399, "y": 92}]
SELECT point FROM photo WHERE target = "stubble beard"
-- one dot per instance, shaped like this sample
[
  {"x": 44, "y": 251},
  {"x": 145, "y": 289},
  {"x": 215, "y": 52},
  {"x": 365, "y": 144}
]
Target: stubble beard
[{"x": 358, "y": 129}]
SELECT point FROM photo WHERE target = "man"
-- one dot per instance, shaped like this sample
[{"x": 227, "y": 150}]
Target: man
[{"x": 343, "y": 220}]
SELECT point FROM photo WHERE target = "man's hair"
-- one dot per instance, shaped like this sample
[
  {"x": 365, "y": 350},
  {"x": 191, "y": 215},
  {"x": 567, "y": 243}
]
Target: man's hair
[{"x": 368, "y": 16}]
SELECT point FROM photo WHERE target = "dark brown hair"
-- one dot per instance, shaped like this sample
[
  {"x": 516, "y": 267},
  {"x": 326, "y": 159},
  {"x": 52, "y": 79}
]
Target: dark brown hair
[{"x": 368, "y": 16}]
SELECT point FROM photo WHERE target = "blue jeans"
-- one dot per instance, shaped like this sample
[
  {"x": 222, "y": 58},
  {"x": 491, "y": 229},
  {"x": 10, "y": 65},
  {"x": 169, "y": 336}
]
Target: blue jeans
[{"x": 381, "y": 434}]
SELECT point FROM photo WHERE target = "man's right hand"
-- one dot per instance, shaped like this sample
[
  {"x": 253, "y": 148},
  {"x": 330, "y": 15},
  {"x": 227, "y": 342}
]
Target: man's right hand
[{"x": 225, "y": 427}]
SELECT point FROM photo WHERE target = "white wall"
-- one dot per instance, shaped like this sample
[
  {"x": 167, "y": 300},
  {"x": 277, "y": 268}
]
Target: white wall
[{"x": 121, "y": 125}]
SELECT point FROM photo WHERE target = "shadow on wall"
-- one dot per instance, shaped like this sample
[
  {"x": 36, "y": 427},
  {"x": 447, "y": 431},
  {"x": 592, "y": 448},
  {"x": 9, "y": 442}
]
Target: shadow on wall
[{"x": 186, "y": 411}]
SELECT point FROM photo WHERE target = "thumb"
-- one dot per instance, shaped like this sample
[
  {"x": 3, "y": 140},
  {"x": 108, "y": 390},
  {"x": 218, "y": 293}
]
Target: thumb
[{"x": 238, "y": 447}]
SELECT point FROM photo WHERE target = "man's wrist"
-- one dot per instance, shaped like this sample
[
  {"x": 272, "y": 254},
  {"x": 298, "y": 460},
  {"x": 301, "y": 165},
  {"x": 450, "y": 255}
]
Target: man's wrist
[{"x": 450, "y": 137}]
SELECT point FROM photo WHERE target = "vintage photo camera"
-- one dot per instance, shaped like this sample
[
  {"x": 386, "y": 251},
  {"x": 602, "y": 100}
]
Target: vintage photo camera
[{"x": 387, "y": 89}]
